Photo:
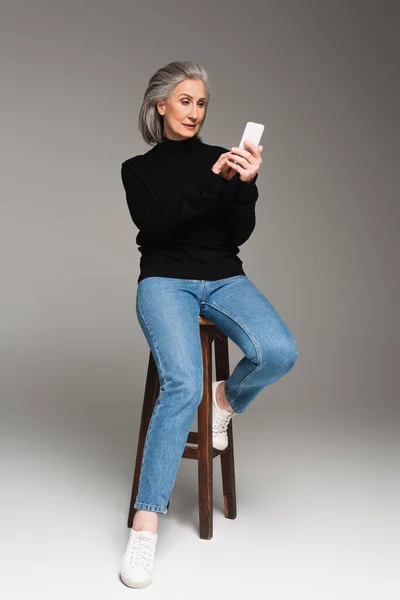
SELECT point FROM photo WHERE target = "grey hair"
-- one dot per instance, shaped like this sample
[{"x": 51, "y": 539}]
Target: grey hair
[{"x": 161, "y": 86}]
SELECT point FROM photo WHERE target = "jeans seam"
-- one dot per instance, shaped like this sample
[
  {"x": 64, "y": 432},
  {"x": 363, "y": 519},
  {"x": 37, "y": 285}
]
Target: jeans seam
[
  {"x": 160, "y": 397},
  {"x": 253, "y": 340}
]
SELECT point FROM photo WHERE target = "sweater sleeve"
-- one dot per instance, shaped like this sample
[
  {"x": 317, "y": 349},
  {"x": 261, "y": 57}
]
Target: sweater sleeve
[
  {"x": 240, "y": 216},
  {"x": 156, "y": 211}
]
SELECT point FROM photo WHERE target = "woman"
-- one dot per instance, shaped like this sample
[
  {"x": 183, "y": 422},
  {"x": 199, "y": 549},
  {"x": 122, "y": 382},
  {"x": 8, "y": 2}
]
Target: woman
[{"x": 194, "y": 205}]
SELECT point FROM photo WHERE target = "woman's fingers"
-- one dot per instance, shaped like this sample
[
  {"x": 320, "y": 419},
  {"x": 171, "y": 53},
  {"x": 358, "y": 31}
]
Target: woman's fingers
[
  {"x": 245, "y": 162},
  {"x": 255, "y": 151},
  {"x": 251, "y": 147},
  {"x": 239, "y": 152},
  {"x": 253, "y": 155},
  {"x": 240, "y": 160},
  {"x": 250, "y": 155}
]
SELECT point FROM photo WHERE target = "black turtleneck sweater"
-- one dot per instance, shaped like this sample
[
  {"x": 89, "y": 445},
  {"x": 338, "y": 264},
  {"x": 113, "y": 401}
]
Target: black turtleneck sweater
[{"x": 191, "y": 221}]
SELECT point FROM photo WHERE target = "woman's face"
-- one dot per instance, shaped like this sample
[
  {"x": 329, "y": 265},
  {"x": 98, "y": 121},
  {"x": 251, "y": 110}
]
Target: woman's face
[{"x": 186, "y": 106}]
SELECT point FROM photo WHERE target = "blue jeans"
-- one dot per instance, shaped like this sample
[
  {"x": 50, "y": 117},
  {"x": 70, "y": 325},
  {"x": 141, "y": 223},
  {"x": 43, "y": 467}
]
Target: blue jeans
[{"x": 168, "y": 311}]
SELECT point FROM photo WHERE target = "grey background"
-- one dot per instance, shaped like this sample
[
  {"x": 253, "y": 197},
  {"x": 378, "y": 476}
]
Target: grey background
[{"x": 317, "y": 454}]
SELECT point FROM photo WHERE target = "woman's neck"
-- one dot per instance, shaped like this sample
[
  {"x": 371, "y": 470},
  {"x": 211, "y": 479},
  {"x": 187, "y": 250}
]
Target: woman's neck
[{"x": 177, "y": 146}]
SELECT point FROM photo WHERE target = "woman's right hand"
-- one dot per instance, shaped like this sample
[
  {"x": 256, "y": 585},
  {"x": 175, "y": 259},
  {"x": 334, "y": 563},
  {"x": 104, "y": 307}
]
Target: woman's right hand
[{"x": 222, "y": 168}]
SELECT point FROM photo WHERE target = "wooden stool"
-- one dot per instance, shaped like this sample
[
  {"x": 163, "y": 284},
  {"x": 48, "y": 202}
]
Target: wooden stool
[{"x": 203, "y": 452}]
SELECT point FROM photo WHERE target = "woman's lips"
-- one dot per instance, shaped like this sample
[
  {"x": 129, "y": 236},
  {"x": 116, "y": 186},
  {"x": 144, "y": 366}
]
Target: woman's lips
[{"x": 190, "y": 126}]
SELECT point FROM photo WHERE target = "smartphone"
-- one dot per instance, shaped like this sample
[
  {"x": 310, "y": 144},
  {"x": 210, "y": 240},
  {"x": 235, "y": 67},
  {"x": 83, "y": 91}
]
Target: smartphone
[{"x": 253, "y": 133}]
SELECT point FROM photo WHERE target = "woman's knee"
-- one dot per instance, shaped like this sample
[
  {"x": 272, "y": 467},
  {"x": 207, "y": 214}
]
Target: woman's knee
[
  {"x": 187, "y": 385},
  {"x": 282, "y": 354}
]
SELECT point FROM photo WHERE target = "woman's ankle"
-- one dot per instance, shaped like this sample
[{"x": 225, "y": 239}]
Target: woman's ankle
[{"x": 145, "y": 520}]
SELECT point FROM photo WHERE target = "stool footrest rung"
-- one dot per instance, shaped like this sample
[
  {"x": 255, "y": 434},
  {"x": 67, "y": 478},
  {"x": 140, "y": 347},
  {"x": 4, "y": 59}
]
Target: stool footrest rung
[{"x": 193, "y": 452}]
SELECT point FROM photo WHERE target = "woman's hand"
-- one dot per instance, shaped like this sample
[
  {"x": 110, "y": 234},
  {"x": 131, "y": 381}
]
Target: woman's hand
[
  {"x": 221, "y": 168},
  {"x": 245, "y": 162}
]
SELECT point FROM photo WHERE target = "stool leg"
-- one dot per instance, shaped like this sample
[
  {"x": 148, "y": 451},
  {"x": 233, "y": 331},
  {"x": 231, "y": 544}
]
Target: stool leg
[
  {"x": 227, "y": 457},
  {"x": 150, "y": 396},
  {"x": 205, "y": 449},
  {"x": 228, "y": 478}
]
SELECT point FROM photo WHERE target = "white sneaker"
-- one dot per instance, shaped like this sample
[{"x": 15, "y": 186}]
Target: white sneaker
[
  {"x": 221, "y": 419},
  {"x": 138, "y": 560}
]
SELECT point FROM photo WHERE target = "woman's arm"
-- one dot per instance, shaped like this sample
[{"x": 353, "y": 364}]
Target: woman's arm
[
  {"x": 156, "y": 211},
  {"x": 240, "y": 216}
]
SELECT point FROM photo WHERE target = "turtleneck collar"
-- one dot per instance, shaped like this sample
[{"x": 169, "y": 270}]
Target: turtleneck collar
[{"x": 179, "y": 146}]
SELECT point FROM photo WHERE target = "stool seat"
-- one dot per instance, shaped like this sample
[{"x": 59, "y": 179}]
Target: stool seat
[
  {"x": 204, "y": 321},
  {"x": 200, "y": 448}
]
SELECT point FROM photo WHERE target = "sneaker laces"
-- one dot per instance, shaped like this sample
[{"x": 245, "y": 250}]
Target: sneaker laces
[
  {"x": 141, "y": 552},
  {"x": 221, "y": 421}
]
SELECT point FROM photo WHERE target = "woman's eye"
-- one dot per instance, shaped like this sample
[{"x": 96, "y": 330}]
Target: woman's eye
[{"x": 186, "y": 102}]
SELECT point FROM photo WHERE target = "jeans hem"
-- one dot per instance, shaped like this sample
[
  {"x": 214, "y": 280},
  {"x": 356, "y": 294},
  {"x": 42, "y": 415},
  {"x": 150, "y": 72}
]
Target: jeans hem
[
  {"x": 232, "y": 404},
  {"x": 152, "y": 507}
]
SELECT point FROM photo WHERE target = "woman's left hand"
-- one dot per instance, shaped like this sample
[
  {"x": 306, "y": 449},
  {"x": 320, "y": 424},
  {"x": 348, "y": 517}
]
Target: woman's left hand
[{"x": 247, "y": 162}]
